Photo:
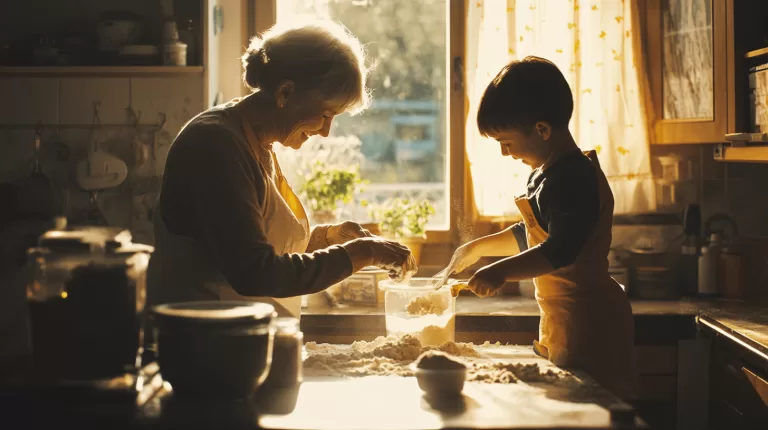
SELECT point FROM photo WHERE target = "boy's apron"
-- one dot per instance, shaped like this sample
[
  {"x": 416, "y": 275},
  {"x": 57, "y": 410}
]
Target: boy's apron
[
  {"x": 586, "y": 319},
  {"x": 181, "y": 269}
]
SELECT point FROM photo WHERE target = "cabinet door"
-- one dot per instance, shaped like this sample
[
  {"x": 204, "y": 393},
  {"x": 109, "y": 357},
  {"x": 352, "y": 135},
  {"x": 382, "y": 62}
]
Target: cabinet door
[{"x": 687, "y": 60}]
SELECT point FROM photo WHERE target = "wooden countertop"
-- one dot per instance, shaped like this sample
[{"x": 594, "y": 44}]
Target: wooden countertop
[{"x": 393, "y": 402}]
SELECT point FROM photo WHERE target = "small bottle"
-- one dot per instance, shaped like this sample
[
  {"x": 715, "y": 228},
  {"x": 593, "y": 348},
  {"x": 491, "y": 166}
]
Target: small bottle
[
  {"x": 708, "y": 262},
  {"x": 188, "y": 35}
]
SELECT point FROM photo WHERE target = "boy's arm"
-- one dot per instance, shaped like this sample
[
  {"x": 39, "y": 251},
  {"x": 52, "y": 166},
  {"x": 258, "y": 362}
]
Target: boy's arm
[
  {"x": 502, "y": 244},
  {"x": 526, "y": 265},
  {"x": 509, "y": 241}
]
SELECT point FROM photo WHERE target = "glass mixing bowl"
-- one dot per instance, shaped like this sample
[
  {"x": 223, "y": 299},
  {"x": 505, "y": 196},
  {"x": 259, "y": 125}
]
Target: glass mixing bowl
[{"x": 414, "y": 307}]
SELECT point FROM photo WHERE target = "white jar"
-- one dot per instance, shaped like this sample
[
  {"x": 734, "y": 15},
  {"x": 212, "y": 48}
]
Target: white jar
[{"x": 175, "y": 54}]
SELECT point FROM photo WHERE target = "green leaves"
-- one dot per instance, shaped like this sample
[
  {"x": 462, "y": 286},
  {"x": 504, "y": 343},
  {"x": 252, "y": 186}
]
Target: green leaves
[
  {"x": 325, "y": 187},
  {"x": 401, "y": 218}
]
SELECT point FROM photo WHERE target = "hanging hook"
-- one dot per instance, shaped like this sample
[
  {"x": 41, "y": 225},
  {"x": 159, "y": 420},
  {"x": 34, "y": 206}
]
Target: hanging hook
[
  {"x": 134, "y": 117},
  {"x": 161, "y": 123},
  {"x": 96, "y": 109}
]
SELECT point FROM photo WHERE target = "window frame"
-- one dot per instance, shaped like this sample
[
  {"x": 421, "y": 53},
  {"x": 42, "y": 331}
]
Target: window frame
[{"x": 260, "y": 15}]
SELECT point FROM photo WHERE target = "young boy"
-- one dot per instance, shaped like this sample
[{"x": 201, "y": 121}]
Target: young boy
[{"x": 565, "y": 236}]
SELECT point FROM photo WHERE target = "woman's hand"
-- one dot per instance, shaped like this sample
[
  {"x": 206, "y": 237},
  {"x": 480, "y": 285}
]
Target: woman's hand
[
  {"x": 338, "y": 234},
  {"x": 375, "y": 251}
]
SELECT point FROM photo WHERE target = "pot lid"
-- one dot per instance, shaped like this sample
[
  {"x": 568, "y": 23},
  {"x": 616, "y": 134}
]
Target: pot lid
[
  {"x": 85, "y": 238},
  {"x": 215, "y": 311}
]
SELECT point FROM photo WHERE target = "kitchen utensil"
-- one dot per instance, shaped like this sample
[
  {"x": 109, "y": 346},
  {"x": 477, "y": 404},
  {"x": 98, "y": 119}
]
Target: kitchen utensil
[
  {"x": 36, "y": 196},
  {"x": 100, "y": 170},
  {"x": 85, "y": 302},
  {"x": 214, "y": 349},
  {"x": 416, "y": 308}
]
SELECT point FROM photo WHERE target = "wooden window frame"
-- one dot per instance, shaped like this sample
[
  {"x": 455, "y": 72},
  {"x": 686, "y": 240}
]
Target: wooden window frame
[{"x": 260, "y": 15}]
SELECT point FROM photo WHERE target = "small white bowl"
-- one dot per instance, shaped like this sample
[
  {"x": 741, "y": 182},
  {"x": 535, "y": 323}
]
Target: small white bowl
[{"x": 440, "y": 383}]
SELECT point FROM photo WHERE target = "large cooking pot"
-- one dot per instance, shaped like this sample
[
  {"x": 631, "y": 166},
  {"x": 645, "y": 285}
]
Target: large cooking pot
[{"x": 214, "y": 348}]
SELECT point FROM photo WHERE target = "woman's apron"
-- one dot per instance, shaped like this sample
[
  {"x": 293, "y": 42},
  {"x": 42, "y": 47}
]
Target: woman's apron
[
  {"x": 180, "y": 268},
  {"x": 586, "y": 319}
]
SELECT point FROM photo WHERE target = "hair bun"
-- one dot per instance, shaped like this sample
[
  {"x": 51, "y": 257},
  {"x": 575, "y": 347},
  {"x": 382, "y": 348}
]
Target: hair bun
[{"x": 254, "y": 61}]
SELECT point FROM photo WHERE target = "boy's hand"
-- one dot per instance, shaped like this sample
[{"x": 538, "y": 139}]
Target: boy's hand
[
  {"x": 464, "y": 257},
  {"x": 485, "y": 282}
]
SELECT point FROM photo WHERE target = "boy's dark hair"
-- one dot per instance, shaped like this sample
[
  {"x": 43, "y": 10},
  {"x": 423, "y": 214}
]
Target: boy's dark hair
[{"x": 523, "y": 93}]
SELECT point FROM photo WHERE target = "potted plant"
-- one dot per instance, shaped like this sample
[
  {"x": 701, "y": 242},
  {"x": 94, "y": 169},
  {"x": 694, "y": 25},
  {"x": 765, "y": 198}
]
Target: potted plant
[
  {"x": 405, "y": 220},
  {"x": 325, "y": 187}
]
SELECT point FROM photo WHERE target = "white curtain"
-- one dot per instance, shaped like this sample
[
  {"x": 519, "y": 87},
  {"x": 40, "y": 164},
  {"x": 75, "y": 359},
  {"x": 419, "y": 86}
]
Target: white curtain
[{"x": 595, "y": 46}]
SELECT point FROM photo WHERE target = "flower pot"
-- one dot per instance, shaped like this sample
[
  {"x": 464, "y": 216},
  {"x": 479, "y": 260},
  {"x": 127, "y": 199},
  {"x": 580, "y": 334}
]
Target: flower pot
[
  {"x": 414, "y": 244},
  {"x": 324, "y": 217}
]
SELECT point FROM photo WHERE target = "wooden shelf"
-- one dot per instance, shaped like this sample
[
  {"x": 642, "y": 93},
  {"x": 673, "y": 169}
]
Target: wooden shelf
[
  {"x": 756, "y": 53},
  {"x": 742, "y": 154},
  {"x": 100, "y": 71}
]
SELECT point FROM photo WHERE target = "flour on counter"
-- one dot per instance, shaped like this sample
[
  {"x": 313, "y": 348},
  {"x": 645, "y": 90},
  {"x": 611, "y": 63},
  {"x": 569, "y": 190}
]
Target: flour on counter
[{"x": 392, "y": 356}]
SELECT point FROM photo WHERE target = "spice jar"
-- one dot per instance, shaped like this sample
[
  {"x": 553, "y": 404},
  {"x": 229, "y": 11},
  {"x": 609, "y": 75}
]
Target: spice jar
[{"x": 286, "y": 370}]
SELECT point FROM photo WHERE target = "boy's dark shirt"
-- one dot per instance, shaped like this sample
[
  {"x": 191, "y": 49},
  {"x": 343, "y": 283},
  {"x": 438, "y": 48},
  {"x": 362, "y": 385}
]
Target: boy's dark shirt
[{"x": 566, "y": 203}]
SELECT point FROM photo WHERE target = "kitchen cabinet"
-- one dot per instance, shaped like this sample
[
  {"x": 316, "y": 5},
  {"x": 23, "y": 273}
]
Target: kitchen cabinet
[
  {"x": 738, "y": 380},
  {"x": 697, "y": 68},
  {"x": 687, "y": 46}
]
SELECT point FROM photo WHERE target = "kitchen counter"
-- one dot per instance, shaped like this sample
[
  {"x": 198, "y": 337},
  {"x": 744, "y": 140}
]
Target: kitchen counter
[
  {"x": 394, "y": 402},
  {"x": 655, "y": 321}
]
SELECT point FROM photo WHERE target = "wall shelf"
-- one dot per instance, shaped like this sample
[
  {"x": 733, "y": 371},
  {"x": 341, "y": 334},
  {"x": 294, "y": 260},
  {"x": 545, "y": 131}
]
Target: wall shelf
[
  {"x": 76, "y": 71},
  {"x": 741, "y": 154},
  {"x": 756, "y": 53}
]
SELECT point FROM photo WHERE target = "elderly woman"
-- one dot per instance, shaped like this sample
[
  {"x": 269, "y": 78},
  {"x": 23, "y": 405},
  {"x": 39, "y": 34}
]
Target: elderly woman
[{"x": 228, "y": 225}]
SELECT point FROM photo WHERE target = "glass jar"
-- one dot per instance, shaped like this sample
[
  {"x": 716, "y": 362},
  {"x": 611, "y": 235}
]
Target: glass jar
[
  {"x": 286, "y": 369},
  {"x": 85, "y": 303},
  {"x": 416, "y": 308}
]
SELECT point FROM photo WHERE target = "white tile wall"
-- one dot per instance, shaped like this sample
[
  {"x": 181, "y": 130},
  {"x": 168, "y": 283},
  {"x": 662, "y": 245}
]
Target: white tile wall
[
  {"x": 29, "y": 100},
  {"x": 69, "y": 101},
  {"x": 78, "y": 95}
]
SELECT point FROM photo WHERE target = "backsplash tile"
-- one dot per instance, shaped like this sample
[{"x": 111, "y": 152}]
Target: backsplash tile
[
  {"x": 179, "y": 99},
  {"x": 78, "y": 95},
  {"x": 131, "y": 204},
  {"x": 29, "y": 100}
]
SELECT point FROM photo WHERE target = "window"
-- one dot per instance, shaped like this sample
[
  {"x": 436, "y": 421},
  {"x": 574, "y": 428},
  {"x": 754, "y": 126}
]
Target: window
[{"x": 401, "y": 143}]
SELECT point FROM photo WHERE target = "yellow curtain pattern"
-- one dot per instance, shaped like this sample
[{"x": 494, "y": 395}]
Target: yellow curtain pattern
[{"x": 595, "y": 46}]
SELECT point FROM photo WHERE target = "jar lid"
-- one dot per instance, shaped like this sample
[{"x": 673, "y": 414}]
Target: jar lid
[
  {"x": 84, "y": 239},
  {"x": 215, "y": 311},
  {"x": 286, "y": 324}
]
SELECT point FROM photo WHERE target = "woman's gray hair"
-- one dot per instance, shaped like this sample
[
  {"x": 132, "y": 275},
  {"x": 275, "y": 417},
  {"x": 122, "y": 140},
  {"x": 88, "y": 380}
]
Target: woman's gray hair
[{"x": 319, "y": 56}]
